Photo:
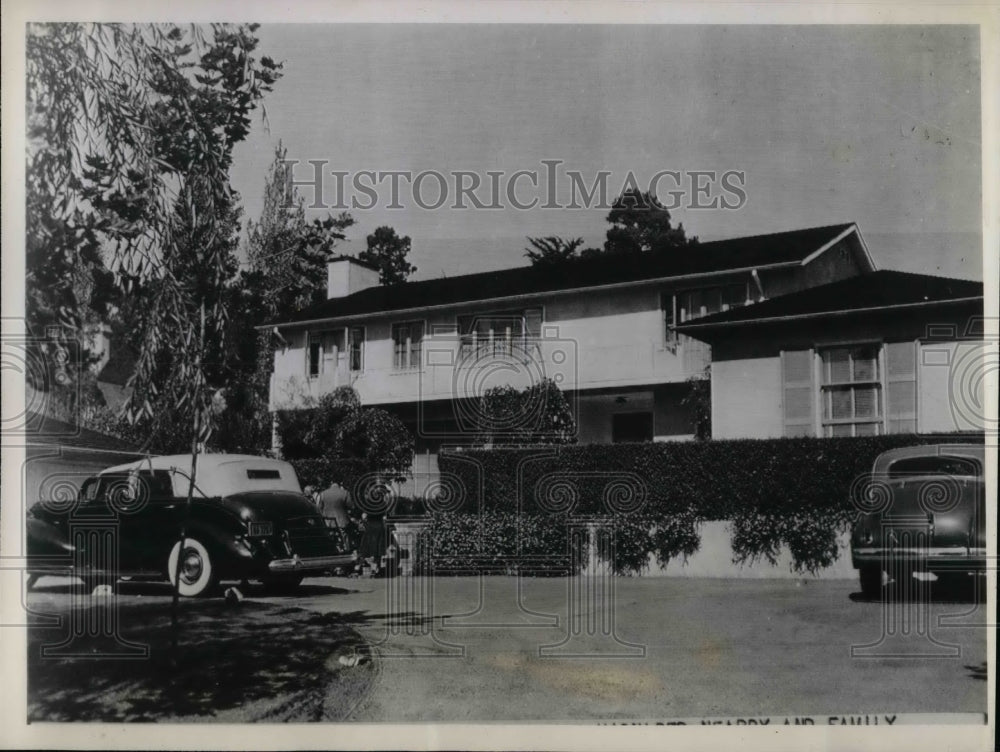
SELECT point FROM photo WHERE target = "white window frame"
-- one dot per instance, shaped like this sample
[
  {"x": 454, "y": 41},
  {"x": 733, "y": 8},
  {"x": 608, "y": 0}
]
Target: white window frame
[
  {"x": 825, "y": 388},
  {"x": 350, "y": 348},
  {"x": 409, "y": 365}
]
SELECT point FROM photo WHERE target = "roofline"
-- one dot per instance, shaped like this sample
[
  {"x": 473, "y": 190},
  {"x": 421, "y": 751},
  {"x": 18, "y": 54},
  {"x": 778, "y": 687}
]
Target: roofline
[
  {"x": 63, "y": 447},
  {"x": 532, "y": 295},
  {"x": 853, "y": 229},
  {"x": 820, "y": 314}
]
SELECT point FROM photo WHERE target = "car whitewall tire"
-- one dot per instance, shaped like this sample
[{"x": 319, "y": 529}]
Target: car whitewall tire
[{"x": 197, "y": 575}]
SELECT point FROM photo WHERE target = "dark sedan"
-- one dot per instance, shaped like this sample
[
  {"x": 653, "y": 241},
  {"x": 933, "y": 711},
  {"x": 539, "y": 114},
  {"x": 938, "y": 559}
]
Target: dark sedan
[
  {"x": 248, "y": 520},
  {"x": 925, "y": 512}
]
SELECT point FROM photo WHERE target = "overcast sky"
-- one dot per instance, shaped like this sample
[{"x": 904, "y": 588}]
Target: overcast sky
[{"x": 877, "y": 125}]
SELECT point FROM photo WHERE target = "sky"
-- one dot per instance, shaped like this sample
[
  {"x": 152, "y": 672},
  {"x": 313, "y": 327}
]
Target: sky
[{"x": 873, "y": 124}]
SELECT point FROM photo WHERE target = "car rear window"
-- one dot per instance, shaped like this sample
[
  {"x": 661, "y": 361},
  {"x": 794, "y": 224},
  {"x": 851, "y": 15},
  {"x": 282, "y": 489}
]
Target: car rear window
[
  {"x": 253, "y": 474},
  {"x": 933, "y": 466}
]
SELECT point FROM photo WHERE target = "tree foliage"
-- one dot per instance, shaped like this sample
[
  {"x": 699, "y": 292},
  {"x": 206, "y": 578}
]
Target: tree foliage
[
  {"x": 641, "y": 224},
  {"x": 131, "y": 130},
  {"x": 538, "y": 414},
  {"x": 552, "y": 250},
  {"x": 388, "y": 252},
  {"x": 353, "y": 440}
]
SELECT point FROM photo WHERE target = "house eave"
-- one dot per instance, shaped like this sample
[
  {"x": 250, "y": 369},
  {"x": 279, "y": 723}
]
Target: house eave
[
  {"x": 528, "y": 296},
  {"x": 694, "y": 328}
]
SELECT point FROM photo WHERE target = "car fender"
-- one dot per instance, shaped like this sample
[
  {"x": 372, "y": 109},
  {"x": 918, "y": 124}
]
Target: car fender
[{"x": 227, "y": 547}]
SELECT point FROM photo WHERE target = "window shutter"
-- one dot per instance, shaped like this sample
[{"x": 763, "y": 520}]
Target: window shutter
[
  {"x": 901, "y": 384},
  {"x": 798, "y": 392}
]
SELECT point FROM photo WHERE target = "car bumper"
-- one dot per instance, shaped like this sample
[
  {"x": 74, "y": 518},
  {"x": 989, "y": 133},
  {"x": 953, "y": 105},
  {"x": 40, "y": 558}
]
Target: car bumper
[
  {"x": 301, "y": 565},
  {"x": 956, "y": 558}
]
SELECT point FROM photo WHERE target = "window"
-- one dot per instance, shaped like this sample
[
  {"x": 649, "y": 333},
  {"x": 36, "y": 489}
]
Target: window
[
  {"x": 356, "y": 347},
  {"x": 668, "y": 304},
  {"x": 851, "y": 391},
  {"x": 500, "y": 333},
  {"x": 255, "y": 474},
  {"x": 407, "y": 345},
  {"x": 315, "y": 357},
  {"x": 939, "y": 465},
  {"x": 693, "y": 304}
]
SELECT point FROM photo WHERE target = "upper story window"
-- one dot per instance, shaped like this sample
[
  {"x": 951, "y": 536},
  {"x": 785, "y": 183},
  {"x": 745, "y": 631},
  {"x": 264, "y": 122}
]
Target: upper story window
[
  {"x": 500, "y": 332},
  {"x": 693, "y": 304},
  {"x": 356, "y": 348},
  {"x": 407, "y": 344},
  {"x": 315, "y": 364},
  {"x": 685, "y": 305}
]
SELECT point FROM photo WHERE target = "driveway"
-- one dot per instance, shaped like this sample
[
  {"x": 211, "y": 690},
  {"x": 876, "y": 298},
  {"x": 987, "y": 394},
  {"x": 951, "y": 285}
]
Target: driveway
[
  {"x": 669, "y": 648},
  {"x": 465, "y": 649}
]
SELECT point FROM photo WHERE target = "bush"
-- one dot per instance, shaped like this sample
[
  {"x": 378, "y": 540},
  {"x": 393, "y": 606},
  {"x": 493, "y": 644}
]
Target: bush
[
  {"x": 794, "y": 491},
  {"x": 538, "y": 414},
  {"x": 336, "y": 440}
]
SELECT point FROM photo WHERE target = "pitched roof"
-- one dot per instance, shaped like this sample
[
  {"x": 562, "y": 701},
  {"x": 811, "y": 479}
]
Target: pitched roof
[
  {"x": 44, "y": 429},
  {"x": 876, "y": 290},
  {"x": 792, "y": 247}
]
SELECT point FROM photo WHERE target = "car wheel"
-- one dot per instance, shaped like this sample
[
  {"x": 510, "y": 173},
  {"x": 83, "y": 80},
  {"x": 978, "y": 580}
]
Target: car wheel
[
  {"x": 871, "y": 582},
  {"x": 197, "y": 575},
  {"x": 279, "y": 584}
]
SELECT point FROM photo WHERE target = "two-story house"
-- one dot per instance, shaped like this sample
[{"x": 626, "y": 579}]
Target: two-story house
[{"x": 603, "y": 328}]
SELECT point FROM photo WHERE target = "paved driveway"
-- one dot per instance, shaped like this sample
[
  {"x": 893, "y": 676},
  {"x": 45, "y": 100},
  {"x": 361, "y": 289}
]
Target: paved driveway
[{"x": 463, "y": 649}]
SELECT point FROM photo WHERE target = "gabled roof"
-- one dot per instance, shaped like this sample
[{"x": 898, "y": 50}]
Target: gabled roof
[
  {"x": 868, "y": 292},
  {"x": 776, "y": 249}
]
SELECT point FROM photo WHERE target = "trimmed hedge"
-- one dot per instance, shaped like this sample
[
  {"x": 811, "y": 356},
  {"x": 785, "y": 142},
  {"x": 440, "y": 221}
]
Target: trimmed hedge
[
  {"x": 502, "y": 543},
  {"x": 792, "y": 491}
]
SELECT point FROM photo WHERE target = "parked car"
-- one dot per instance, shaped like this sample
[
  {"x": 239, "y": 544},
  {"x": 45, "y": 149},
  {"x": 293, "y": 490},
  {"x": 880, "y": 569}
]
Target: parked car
[
  {"x": 925, "y": 511},
  {"x": 248, "y": 520}
]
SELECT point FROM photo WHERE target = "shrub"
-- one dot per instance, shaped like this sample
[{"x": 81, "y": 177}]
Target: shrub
[
  {"x": 792, "y": 491},
  {"x": 536, "y": 415}
]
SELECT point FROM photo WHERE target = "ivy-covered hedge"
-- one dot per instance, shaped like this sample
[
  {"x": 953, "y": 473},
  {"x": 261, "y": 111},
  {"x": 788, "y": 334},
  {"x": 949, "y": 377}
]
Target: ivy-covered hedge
[{"x": 794, "y": 492}]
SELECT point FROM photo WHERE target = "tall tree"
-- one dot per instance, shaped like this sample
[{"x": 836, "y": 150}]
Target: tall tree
[
  {"x": 131, "y": 132},
  {"x": 287, "y": 257},
  {"x": 387, "y": 251},
  {"x": 641, "y": 224}
]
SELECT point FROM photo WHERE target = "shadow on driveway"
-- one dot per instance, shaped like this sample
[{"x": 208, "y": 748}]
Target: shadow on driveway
[{"x": 253, "y": 662}]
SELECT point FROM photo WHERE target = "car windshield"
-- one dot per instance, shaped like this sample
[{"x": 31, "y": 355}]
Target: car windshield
[{"x": 934, "y": 465}]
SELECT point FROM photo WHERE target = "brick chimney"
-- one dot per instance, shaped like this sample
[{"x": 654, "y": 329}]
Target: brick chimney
[{"x": 346, "y": 276}]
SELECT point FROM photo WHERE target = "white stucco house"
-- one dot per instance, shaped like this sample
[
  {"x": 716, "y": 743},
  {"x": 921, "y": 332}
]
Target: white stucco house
[{"x": 605, "y": 329}]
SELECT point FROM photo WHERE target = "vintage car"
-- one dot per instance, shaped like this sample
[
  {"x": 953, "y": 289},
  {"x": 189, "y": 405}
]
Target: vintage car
[
  {"x": 248, "y": 520},
  {"x": 924, "y": 512}
]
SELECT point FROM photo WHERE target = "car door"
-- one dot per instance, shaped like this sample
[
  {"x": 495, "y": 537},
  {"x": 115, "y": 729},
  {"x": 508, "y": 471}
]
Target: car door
[{"x": 149, "y": 516}]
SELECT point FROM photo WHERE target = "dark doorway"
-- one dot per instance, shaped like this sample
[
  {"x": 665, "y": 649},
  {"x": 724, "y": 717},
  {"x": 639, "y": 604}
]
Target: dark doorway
[{"x": 631, "y": 427}]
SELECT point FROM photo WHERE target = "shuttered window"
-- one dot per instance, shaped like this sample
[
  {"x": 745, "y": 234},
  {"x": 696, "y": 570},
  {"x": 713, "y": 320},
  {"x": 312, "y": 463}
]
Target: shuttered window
[
  {"x": 851, "y": 391},
  {"x": 798, "y": 388},
  {"x": 901, "y": 386}
]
